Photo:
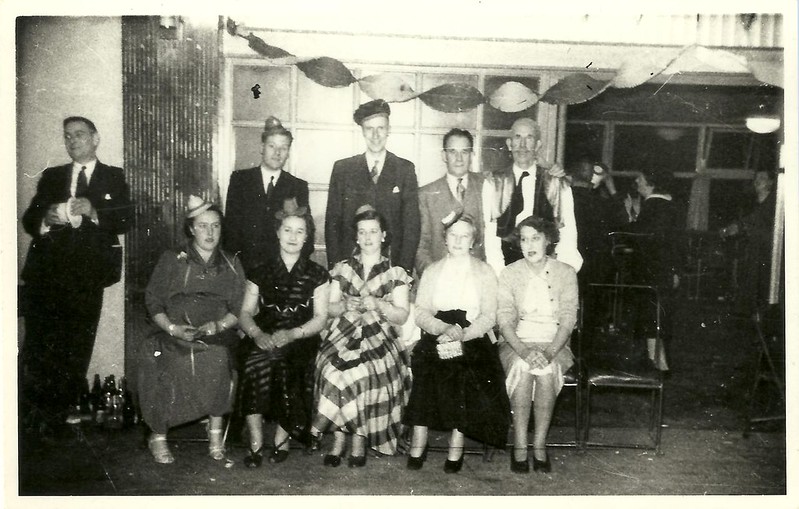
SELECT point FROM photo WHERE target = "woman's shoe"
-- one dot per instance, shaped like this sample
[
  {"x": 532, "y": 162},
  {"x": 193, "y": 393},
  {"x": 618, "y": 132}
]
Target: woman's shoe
[
  {"x": 216, "y": 444},
  {"x": 453, "y": 467},
  {"x": 416, "y": 463},
  {"x": 356, "y": 461},
  {"x": 278, "y": 456},
  {"x": 520, "y": 467},
  {"x": 332, "y": 460},
  {"x": 160, "y": 450},
  {"x": 255, "y": 458},
  {"x": 314, "y": 445},
  {"x": 542, "y": 466}
]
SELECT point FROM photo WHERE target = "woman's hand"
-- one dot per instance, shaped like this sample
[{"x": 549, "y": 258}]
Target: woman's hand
[
  {"x": 537, "y": 359},
  {"x": 208, "y": 328},
  {"x": 353, "y": 303},
  {"x": 263, "y": 341},
  {"x": 369, "y": 303},
  {"x": 280, "y": 338},
  {"x": 453, "y": 333},
  {"x": 184, "y": 332}
]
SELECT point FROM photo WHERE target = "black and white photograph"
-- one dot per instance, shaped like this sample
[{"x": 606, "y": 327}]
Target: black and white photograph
[{"x": 351, "y": 249}]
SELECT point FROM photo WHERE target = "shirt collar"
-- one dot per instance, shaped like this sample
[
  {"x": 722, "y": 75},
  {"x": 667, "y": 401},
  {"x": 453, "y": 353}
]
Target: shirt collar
[
  {"x": 381, "y": 160},
  {"x": 517, "y": 172},
  {"x": 452, "y": 181},
  {"x": 76, "y": 167},
  {"x": 267, "y": 174},
  {"x": 666, "y": 197}
]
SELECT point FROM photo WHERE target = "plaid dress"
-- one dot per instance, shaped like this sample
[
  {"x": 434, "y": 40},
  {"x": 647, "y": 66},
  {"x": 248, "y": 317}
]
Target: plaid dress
[{"x": 362, "y": 376}]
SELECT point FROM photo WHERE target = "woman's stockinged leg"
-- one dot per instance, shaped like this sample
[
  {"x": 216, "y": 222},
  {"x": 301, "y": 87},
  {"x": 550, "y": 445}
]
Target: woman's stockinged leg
[
  {"x": 521, "y": 402},
  {"x": 281, "y": 438},
  {"x": 418, "y": 441},
  {"x": 255, "y": 427},
  {"x": 543, "y": 408},
  {"x": 455, "y": 451}
]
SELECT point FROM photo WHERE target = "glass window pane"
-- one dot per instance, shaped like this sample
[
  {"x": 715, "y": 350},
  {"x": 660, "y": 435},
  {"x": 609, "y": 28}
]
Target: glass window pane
[
  {"x": 494, "y": 154},
  {"x": 583, "y": 140},
  {"x": 402, "y": 145},
  {"x": 317, "y": 103},
  {"x": 315, "y": 151},
  {"x": 743, "y": 150},
  {"x": 274, "y": 84},
  {"x": 496, "y": 119},
  {"x": 431, "y": 167},
  {"x": 248, "y": 146},
  {"x": 657, "y": 147},
  {"x": 435, "y": 118}
]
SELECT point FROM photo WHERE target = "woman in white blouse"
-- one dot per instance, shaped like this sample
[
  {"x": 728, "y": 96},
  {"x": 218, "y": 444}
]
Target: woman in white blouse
[{"x": 458, "y": 382}]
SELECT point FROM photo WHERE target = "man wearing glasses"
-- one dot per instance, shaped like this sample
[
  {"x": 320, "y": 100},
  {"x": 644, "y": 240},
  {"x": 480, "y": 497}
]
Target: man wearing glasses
[{"x": 458, "y": 192}]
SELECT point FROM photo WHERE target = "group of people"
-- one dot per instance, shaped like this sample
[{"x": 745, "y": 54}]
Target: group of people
[{"x": 242, "y": 319}]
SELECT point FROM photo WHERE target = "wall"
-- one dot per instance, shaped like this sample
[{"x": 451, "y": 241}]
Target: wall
[{"x": 70, "y": 66}]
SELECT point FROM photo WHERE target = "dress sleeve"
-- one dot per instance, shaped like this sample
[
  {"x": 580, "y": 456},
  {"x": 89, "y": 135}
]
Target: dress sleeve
[
  {"x": 507, "y": 315},
  {"x": 237, "y": 291},
  {"x": 425, "y": 311},
  {"x": 568, "y": 299},
  {"x": 487, "y": 318},
  {"x": 157, "y": 293}
]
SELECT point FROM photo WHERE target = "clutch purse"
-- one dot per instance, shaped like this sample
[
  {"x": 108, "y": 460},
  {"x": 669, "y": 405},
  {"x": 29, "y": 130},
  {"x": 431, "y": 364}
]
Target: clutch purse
[{"x": 450, "y": 350}]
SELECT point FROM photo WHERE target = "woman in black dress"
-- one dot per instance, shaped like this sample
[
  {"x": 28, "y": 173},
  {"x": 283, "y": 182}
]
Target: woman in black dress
[{"x": 285, "y": 307}]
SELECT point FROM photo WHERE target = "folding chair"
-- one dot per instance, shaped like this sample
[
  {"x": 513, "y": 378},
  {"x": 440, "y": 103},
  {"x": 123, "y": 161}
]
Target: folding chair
[
  {"x": 615, "y": 360},
  {"x": 769, "y": 367}
]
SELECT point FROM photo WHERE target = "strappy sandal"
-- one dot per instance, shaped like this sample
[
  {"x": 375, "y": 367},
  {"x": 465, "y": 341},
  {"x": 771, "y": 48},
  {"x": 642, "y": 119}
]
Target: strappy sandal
[
  {"x": 280, "y": 455},
  {"x": 216, "y": 444},
  {"x": 160, "y": 450}
]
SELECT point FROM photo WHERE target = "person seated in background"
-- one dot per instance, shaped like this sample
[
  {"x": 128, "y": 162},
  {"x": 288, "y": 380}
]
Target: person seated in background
[
  {"x": 362, "y": 376},
  {"x": 757, "y": 229},
  {"x": 537, "y": 303},
  {"x": 186, "y": 366},
  {"x": 284, "y": 309},
  {"x": 457, "y": 376},
  {"x": 658, "y": 256}
]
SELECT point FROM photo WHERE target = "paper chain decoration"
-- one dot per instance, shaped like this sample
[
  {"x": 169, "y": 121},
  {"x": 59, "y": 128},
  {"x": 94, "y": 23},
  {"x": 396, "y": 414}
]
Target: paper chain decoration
[{"x": 512, "y": 96}]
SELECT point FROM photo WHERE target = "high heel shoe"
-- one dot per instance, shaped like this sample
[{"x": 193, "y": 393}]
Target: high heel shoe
[
  {"x": 542, "y": 466},
  {"x": 416, "y": 463},
  {"x": 279, "y": 455},
  {"x": 356, "y": 461},
  {"x": 332, "y": 460},
  {"x": 453, "y": 467},
  {"x": 255, "y": 458},
  {"x": 519, "y": 467}
]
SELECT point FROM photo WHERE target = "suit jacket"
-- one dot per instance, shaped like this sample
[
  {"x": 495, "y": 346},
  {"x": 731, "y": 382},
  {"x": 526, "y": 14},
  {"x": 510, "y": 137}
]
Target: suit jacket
[
  {"x": 659, "y": 256},
  {"x": 435, "y": 203},
  {"x": 395, "y": 196},
  {"x": 250, "y": 226},
  {"x": 85, "y": 258},
  {"x": 505, "y": 182}
]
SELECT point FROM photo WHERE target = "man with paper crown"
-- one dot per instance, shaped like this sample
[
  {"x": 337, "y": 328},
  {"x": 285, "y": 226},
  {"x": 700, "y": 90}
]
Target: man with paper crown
[
  {"x": 256, "y": 194},
  {"x": 379, "y": 178}
]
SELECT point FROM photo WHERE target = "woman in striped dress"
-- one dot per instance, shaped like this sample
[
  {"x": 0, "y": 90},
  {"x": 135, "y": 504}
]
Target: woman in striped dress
[{"x": 362, "y": 376}]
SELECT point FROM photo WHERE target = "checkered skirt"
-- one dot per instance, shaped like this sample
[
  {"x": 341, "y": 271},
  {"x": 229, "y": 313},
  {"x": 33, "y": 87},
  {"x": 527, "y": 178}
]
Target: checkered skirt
[{"x": 362, "y": 378}]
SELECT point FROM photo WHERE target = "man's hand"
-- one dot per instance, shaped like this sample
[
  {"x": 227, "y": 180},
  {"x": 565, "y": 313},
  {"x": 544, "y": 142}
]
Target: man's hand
[
  {"x": 556, "y": 171},
  {"x": 51, "y": 218},
  {"x": 82, "y": 207}
]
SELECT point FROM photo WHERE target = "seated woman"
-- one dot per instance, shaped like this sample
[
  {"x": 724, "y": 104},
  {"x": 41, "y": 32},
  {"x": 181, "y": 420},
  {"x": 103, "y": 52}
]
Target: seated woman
[
  {"x": 185, "y": 370},
  {"x": 362, "y": 376},
  {"x": 536, "y": 312},
  {"x": 457, "y": 377},
  {"x": 285, "y": 307}
]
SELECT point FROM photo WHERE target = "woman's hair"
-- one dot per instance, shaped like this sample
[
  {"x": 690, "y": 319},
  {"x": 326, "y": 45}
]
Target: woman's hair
[
  {"x": 310, "y": 229},
  {"x": 465, "y": 218},
  {"x": 548, "y": 228},
  {"x": 370, "y": 214},
  {"x": 188, "y": 222}
]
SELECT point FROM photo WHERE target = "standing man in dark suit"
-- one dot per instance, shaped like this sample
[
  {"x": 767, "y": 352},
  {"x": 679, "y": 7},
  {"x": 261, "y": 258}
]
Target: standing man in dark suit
[
  {"x": 530, "y": 187},
  {"x": 458, "y": 192},
  {"x": 379, "y": 178},
  {"x": 75, "y": 217},
  {"x": 256, "y": 194}
]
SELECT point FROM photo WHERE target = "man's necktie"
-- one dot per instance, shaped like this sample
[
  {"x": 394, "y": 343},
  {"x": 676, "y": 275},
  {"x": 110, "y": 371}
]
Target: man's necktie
[
  {"x": 517, "y": 199},
  {"x": 460, "y": 190},
  {"x": 83, "y": 184},
  {"x": 373, "y": 173},
  {"x": 271, "y": 187}
]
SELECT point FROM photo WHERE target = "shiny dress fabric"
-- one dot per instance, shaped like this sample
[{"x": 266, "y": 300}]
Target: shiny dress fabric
[
  {"x": 362, "y": 376},
  {"x": 180, "y": 381},
  {"x": 279, "y": 384}
]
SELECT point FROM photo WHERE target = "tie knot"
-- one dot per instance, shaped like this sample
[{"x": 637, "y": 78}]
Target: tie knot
[{"x": 82, "y": 168}]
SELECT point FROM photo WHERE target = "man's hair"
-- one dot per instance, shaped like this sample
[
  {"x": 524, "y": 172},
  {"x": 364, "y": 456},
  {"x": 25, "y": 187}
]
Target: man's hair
[
  {"x": 662, "y": 181},
  {"x": 529, "y": 122},
  {"x": 89, "y": 123},
  {"x": 463, "y": 133},
  {"x": 277, "y": 131}
]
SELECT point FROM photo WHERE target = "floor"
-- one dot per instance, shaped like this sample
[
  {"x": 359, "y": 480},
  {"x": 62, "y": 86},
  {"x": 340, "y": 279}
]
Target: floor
[{"x": 704, "y": 451}]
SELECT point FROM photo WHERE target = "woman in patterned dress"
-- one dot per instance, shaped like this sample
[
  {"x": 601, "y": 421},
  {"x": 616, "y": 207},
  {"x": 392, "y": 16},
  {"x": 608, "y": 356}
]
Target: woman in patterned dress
[
  {"x": 362, "y": 376},
  {"x": 285, "y": 307},
  {"x": 536, "y": 312},
  {"x": 185, "y": 366}
]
